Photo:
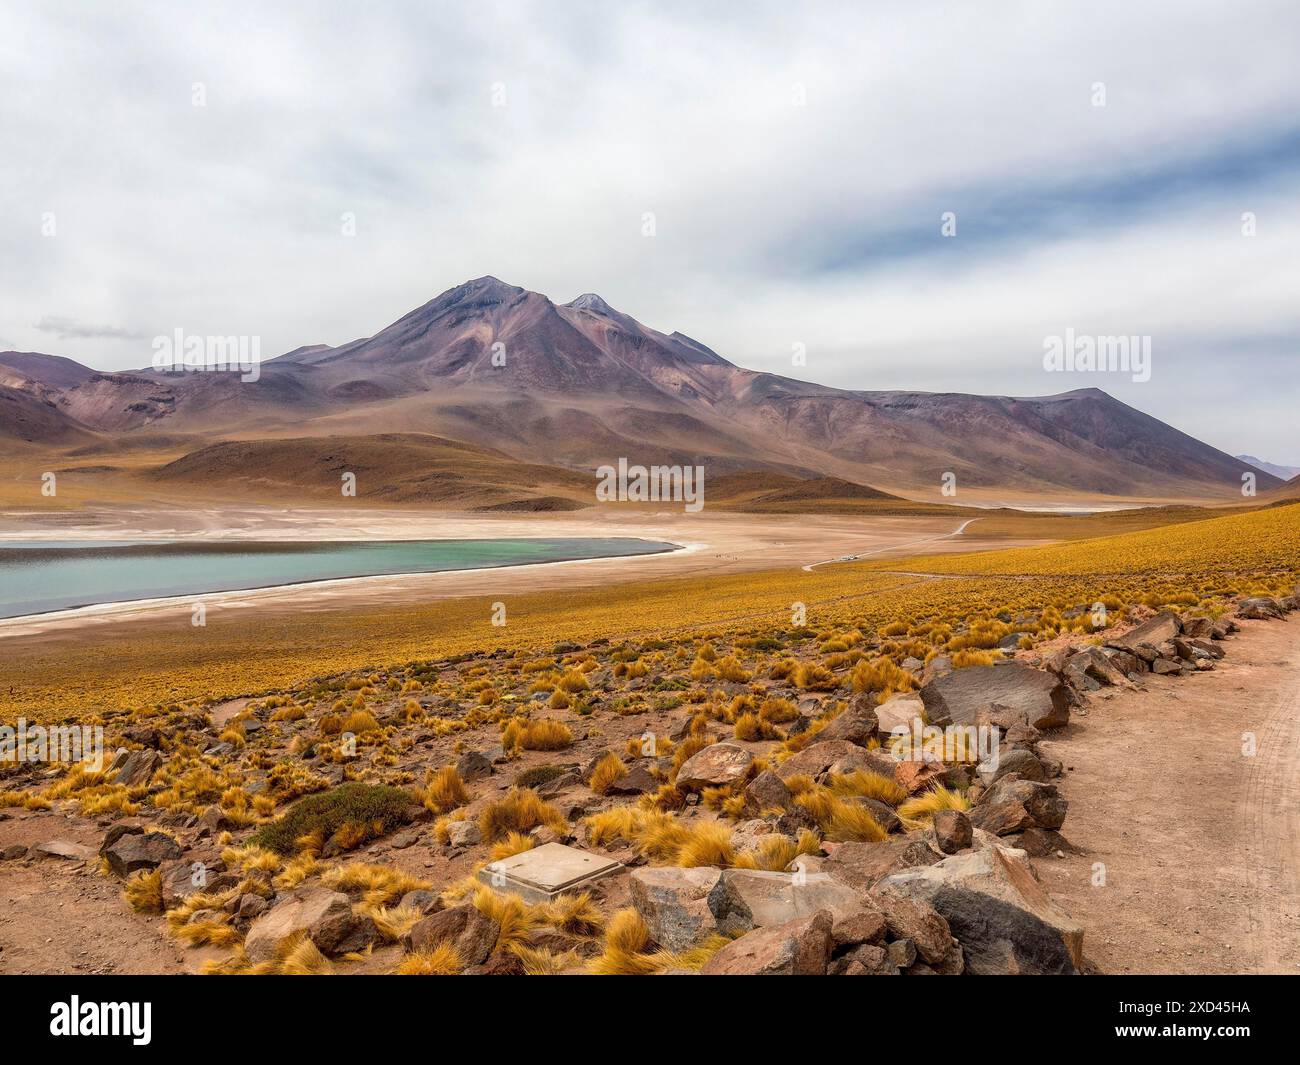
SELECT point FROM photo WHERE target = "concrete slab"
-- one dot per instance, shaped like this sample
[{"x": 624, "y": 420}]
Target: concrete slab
[{"x": 544, "y": 872}]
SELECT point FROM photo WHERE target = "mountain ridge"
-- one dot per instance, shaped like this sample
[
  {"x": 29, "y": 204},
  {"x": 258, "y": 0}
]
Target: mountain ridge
[{"x": 575, "y": 384}]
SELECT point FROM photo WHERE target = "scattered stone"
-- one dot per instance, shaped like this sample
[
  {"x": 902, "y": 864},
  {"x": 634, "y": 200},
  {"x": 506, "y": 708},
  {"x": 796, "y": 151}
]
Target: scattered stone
[
  {"x": 473, "y": 765},
  {"x": 767, "y": 791},
  {"x": 138, "y": 768},
  {"x": 800, "y": 948},
  {"x": 471, "y": 933},
  {"x": 952, "y": 832},
  {"x": 856, "y": 723},
  {"x": 1036, "y": 696},
  {"x": 62, "y": 848},
  {"x": 715, "y": 766},
  {"x": 899, "y": 711},
  {"x": 324, "y": 916},
  {"x": 133, "y": 851},
  {"x": 463, "y": 833},
  {"x": 683, "y": 906},
  {"x": 998, "y": 912}
]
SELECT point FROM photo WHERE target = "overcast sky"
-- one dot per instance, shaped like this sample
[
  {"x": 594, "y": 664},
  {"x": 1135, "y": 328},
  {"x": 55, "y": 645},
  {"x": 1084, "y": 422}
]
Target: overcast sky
[{"x": 798, "y": 160}]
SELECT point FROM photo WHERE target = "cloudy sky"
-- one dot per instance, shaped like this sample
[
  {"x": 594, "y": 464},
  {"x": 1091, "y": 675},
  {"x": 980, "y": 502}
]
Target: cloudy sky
[{"x": 194, "y": 165}]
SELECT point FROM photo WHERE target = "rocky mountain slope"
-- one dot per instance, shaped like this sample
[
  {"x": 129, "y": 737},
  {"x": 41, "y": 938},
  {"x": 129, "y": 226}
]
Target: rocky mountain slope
[{"x": 580, "y": 384}]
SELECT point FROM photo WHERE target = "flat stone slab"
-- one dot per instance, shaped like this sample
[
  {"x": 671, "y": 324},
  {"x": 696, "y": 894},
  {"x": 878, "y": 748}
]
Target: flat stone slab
[{"x": 544, "y": 872}]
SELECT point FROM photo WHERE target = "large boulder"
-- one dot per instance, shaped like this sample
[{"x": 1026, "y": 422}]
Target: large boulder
[
  {"x": 683, "y": 906},
  {"x": 899, "y": 711},
  {"x": 917, "y": 920},
  {"x": 1093, "y": 664},
  {"x": 1013, "y": 805},
  {"x": 1034, "y": 696},
  {"x": 1155, "y": 631},
  {"x": 861, "y": 865},
  {"x": 855, "y": 723},
  {"x": 1261, "y": 608},
  {"x": 801, "y": 947},
  {"x": 765, "y": 898},
  {"x": 133, "y": 851},
  {"x": 998, "y": 912},
  {"x": 767, "y": 791},
  {"x": 472, "y": 933},
  {"x": 717, "y": 765},
  {"x": 323, "y": 916},
  {"x": 838, "y": 756},
  {"x": 138, "y": 768}
]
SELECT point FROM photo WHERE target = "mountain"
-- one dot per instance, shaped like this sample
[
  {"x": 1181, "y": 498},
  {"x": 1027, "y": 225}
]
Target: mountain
[
  {"x": 1284, "y": 473},
  {"x": 581, "y": 384}
]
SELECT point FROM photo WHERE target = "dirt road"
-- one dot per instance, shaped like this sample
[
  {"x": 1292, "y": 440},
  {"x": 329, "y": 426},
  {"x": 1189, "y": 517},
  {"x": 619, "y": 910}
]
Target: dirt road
[{"x": 1199, "y": 843}]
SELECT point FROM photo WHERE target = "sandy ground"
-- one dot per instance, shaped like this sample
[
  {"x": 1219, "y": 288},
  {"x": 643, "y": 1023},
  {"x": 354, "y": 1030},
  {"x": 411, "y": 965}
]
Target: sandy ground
[
  {"x": 1200, "y": 843},
  {"x": 710, "y": 543}
]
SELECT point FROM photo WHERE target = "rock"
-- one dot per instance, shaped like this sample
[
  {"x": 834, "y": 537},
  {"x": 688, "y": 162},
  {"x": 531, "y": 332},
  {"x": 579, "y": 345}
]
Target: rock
[
  {"x": 839, "y": 755},
  {"x": 915, "y": 919},
  {"x": 767, "y": 791},
  {"x": 324, "y": 916},
  {"x": 864, "y": 925},
  {"x": 251, "y": 906},
  {"x": 884, "y": 814},
  {"x": 801, "y": 947},
  {"x": 1261, "y": 608},
  {"x": 473, "y": 765},
  {"x": 426, "y": 902},
  {"x": 463, "y": 833},
  {"x": 1013, "y": 805},
  {"x": 143, "y": 736},
  {"x": 952, "y": 832},
  {"x": 140, "y": 850},
  {"x": 997, "y": 911},
  {"x": 1166, "y": 667},
  {"x": 636, "y": 781},
  {"x": 939, "y": 666},
  {"x": 13, "y": 852},
  {"x": 502, "y": 963},
  {"x": 473, "y": 934},
  {"x": 856, "y": 723},
  {"x": 1023, "y": 763},
  {"x": 62, "y": 848},
  {"x": 1092, "y": 663},
  {"x": 899, "y": 711},
  {"x": 1164, "y": 626},
  {"x": 683, "y": 906},
  {"x": 138, "y": 768},
  {"x": 762, "y": 898},
  {"x": 902, "y": 953},
  {"x": 1035, "y": 696},
  {"x": 182, "y": 878},
  {"x": 860, "y": 865},
  {"x": 212, "y": 822},
  {"x": 1197, "y": 628},
  {"x": 865, "y": 960},
  {"x": 715, "y": 766}
]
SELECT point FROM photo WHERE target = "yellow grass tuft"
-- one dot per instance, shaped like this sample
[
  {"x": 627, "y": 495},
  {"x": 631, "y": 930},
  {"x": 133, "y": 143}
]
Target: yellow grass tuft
[
  {"x": 920, "y": 811},
  {"x": 521, "y": 810},
  {"x": 608, "y": 770},
  {"x": 442, "y": 960}
]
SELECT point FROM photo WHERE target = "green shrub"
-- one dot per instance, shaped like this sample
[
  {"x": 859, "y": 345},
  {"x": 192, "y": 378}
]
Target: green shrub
[{"x": 347, "y": 812}]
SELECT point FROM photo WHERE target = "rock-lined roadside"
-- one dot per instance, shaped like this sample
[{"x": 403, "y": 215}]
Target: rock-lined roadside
[{"x": 955, "y": 892}]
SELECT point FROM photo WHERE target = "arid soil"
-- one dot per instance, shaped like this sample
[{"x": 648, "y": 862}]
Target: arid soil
[{"x": 1200, "y": 843}]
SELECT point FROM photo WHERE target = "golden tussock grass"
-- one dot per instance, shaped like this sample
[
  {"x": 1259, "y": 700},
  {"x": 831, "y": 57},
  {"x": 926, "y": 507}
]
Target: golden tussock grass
[
  {"x": 868, "y": 784},
  {"x": 442, "y": 960},
  {"x": 143, "y": 892},
  {"x": 608, "y": 771},
  {"x": 514, "y": 843},
  {"x": 626, "y": 951},
  {"x": 443, "y": 790},
  {"x": 521, "y": 810},
  {"x": 544, "y": 734},
  {"x": 775, "y": 853},
  {"x": 920, "y": 810}
]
